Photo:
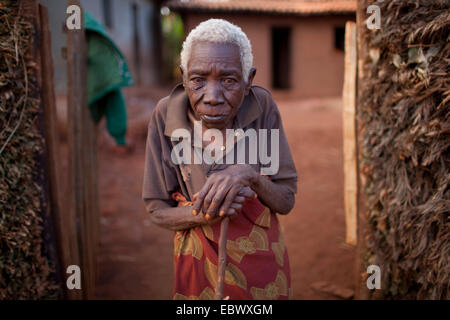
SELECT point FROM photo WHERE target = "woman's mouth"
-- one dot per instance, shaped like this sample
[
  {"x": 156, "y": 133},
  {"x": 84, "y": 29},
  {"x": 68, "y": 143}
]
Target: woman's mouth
[{"x": 209, "y": 118}]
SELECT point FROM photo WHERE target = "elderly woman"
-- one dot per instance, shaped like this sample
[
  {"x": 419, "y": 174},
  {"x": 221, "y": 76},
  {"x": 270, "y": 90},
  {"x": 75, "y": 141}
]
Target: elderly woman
[{"x": 191, "y": 196}]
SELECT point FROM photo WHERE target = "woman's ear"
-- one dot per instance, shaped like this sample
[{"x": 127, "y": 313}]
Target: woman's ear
[
  {"x": 251, "y": 76},
  {"x": 182, "y": 72}
]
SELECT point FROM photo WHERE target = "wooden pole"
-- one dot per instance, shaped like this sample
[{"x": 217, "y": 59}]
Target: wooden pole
[
  {"x": 60, "y": 219},
  {"x": 36, "y": 60},
  {"x": 349, "y": 135},
  {"x": 83, "y": 193},
  {"x": 222, "y": 260}
]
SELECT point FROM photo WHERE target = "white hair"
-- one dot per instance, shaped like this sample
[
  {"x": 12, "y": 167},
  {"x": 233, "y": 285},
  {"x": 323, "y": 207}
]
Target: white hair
[{"x": 219, "y": 31}]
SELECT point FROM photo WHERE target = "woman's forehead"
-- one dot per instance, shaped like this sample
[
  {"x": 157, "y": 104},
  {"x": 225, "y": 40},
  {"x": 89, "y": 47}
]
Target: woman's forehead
[{"x": 205, "y": 53}]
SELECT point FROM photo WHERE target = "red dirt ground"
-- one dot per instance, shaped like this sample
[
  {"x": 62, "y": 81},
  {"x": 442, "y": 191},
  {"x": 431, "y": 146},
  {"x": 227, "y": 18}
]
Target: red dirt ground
[{"x": 135, "y": 256}]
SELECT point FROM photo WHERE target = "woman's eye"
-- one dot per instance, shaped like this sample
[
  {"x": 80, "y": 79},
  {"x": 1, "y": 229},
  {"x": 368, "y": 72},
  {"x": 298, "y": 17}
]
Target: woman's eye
[
  {"x": 228, "y": 81},
  {"x": 197, "y": 83},
  {"x": 197, "y": 80}
]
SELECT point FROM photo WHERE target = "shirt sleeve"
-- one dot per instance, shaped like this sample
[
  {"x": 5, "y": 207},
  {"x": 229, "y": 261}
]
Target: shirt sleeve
[
  {"x": 159, "y": 181},
  {"x": 287, "y": 173}
]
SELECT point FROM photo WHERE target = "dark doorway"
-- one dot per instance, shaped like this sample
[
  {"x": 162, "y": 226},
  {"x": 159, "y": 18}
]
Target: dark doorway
[
  {"x": 107, "y": 13},
  {"x": 339, "y": 38},
  {"x": 281, "y": 57},
  {"x": 136, "y": 43}
]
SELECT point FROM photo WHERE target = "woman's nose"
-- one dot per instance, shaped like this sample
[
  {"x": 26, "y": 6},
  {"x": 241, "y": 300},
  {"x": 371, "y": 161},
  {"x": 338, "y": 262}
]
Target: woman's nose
[{"x": 213, "y": 94}]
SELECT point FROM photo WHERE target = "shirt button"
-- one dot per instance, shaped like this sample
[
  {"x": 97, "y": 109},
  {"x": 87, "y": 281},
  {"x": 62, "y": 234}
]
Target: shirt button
[{"x": 222, "y": 148}]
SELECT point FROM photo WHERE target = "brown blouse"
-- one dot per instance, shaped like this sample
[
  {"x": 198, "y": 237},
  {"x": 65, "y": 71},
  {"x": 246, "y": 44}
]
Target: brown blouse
[{"x": 162, "y": 177}]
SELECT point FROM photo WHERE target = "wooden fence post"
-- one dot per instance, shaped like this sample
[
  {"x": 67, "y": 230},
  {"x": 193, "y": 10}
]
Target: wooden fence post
[
  {"x": 349, "y": 135},
  {"x": 61, "y": 221},
  {"x": 83, "y": 193}
]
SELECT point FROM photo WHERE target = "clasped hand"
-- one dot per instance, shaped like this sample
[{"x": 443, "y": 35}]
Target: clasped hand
[{"x": 224, "y": 192}]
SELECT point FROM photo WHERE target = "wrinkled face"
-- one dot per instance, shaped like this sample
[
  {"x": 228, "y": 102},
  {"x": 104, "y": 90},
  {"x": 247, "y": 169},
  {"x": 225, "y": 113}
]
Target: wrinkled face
[{"x": 214, "y": 83}]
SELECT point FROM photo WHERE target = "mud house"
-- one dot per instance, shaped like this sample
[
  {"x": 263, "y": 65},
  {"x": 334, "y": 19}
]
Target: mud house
[{"x": 298, "y": 45}]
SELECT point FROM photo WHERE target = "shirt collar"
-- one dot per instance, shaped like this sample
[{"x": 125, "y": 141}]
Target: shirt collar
[{"x": 178, "y": 103}]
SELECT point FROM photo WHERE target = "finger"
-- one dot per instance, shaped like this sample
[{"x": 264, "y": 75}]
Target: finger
[
  {"x": 236, "y": 206},
  {"x": 217, "y": 199},
  {"x": 239, "y": 199},
  {"x": 247, "y": 192},
  {"x": 231, "y": 213},
  {"x": 199, "y": 199},
  {"x": 207, "y": 202},
  {"x": 228, "y": 200}
]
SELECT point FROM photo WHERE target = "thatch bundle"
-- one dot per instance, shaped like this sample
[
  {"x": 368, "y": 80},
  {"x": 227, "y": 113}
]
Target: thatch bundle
[
  {"x": 25, "y": 272},
  {"x": 405, "y": 120}
]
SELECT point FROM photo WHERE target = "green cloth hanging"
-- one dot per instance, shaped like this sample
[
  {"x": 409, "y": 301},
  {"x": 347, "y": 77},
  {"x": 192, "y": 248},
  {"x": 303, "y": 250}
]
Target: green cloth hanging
[{"x": 107, "y": 72}]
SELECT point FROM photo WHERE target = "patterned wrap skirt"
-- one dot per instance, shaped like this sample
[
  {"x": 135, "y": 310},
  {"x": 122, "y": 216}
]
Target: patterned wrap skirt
[{"x": 257, "y": 259}]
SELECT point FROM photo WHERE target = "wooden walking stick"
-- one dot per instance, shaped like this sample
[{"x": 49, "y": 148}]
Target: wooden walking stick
[{"x": 222, "y": 258}]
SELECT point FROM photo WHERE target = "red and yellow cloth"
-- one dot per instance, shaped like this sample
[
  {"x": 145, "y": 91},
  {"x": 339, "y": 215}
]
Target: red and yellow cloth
[{"x": 257, "y": 259}]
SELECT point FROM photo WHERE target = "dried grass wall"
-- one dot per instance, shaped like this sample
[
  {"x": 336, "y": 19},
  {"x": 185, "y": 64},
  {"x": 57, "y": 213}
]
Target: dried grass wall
[
  {"x": 404, "y": 114},
  {"x": 25, "y": 270}
]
